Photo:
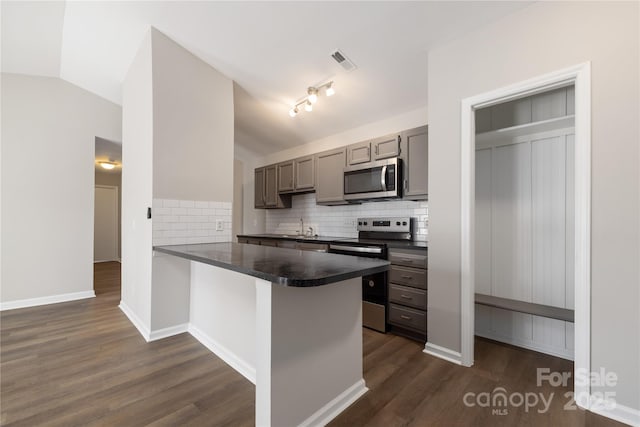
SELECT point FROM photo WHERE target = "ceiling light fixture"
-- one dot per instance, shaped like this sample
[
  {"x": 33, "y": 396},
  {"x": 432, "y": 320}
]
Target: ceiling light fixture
[
  {"x": 330, "y": 90},
  {"x": 312, "y": 97},
  {"x": 107, "y": 165}
]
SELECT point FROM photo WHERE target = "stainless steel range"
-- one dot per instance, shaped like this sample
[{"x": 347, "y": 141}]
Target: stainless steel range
[{"x": 373, "y": 236}]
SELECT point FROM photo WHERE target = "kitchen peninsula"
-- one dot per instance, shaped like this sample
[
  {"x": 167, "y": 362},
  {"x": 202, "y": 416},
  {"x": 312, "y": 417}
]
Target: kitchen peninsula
[{"x": 290, "y": 321}]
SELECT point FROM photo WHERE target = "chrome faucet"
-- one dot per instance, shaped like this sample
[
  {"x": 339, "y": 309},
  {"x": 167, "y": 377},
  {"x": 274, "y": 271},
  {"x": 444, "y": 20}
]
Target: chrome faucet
[{"x": 310, "y": 232}]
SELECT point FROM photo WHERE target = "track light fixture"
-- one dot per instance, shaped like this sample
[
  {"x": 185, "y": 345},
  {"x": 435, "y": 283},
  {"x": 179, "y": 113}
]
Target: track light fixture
[{"x": 312, "y": 98}]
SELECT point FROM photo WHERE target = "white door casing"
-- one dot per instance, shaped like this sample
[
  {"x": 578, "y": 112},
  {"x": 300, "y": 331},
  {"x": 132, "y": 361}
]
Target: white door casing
[{"x": 580, "y": 76}]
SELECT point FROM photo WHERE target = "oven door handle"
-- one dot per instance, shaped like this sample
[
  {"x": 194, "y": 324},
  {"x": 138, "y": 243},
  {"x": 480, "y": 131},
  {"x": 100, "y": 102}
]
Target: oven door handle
[
  {"x": 383, "y": 178},
  {"x": 356, "y": 249}
]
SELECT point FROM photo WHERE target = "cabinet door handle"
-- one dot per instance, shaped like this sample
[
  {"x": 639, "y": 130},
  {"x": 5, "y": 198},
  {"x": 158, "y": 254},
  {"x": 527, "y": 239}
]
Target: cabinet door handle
[
  {"x": 376, "y": 150},
  {"x": 402, "y": 316},
  {"x": 407, "y": 277},
  {"x": 406, "y": 296}
]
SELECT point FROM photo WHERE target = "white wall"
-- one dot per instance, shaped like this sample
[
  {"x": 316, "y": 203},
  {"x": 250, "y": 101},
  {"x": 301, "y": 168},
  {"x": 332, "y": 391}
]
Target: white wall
[
  {"x": 177, "y": 152},
  {"x": 192, "y": 126},
  {"x": 541, "y": 38},
  {"x": 48, "y": 133},
  {"x": 137, "y": 183},
  {"x": 253, "y": 220}
]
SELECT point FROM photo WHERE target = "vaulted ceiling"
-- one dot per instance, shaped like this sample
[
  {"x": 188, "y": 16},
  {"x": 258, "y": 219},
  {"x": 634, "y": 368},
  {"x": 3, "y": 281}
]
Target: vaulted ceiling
[{"x": 272, "y": 50}]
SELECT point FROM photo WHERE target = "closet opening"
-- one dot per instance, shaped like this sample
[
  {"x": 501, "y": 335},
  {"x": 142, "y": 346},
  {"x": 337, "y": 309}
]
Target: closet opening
[
  {"x": 524, "y": 222},
  {"x": 526, "y": 218}
]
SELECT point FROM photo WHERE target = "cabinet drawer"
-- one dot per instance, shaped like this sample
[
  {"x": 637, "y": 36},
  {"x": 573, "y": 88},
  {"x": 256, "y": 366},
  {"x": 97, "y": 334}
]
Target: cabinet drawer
[
  {"x": 408, "y": 276},
  {"x": 412, "y": 297},
  {"x": 416, "y": 259},
  {"x": 291, "y": 244},
  {"x": 269, "y": 242},
  {"x": 408, "y": 317}
]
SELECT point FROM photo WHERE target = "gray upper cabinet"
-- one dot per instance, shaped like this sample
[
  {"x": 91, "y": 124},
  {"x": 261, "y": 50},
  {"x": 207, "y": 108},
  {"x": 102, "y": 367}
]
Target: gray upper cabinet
[
  {"x": 386, "y": 146},
  {"x": 359, "y": 153},
  {"x": 305, "y": 174},
  {"x": 285, "y": 176},
  {"x": 415, "y": 157},
  {"x": 329, "y": 182},
  {"x": 271, "y": 186},
  {"x": 258, "y": 195},
  {"x": 296, "y": 176},
  {"x": 266, "y": 194}
]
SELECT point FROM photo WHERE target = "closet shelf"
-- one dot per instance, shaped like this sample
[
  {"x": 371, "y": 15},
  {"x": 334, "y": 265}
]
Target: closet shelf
[
  {"x": 525, "y": 129},
  {"x": 526, "y": 307}
]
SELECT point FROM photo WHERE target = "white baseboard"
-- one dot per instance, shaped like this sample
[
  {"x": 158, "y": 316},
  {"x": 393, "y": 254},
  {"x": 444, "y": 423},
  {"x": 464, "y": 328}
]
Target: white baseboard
[
  {"x": 443, "y": 353},
  {"x": 144, "y": 331},
  {"x": 168, "y": 332},
  {"x": 230, "y": 358},
  {"x": 530, "y": 345},
  {"x": 615, "y": 411},
  {"x": 53, "y": 299},
  {"x": 332, "y": 409}
]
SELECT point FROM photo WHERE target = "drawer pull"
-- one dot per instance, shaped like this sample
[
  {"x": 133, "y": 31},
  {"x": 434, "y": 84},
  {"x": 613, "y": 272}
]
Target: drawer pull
[
  {"x": 402, "y": 316},
  {"x": 406, "y": 260},
  {"x": 406, "y": 296},
  {"x": 407, "y": 277}
]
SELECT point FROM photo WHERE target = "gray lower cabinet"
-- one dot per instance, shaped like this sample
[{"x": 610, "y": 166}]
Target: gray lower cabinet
[
  {"x": 408, "y": 292},
  {"x": 329, "y": 182},
  {"x": 415, "y": 157},
  {"x": 266, "y": 195},
  {"x": 359, "y": 153}
]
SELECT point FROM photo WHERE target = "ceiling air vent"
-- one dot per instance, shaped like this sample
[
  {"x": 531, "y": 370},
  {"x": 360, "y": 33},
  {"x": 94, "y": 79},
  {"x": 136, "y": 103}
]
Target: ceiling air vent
[{"x": 344, "y": 62}]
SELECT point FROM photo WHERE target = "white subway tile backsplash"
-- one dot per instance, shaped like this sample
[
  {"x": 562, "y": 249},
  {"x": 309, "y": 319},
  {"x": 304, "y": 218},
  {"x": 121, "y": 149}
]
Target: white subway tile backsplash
[
  {"x": 177, "y": 222},
  {"x": 178, "y": 211},
  {"x": 340, "y": 221}
]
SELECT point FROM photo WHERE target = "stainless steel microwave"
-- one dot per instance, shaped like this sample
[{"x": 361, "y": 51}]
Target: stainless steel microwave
[{"x": 374, "y": 180}]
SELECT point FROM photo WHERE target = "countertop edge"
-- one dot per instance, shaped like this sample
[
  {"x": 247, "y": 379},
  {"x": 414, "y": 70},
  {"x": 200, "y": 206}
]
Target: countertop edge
[{"x": 299, "y": 283}]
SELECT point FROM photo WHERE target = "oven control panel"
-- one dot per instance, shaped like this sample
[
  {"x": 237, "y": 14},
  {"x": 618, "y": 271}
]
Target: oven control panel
[{"x": 395, "y": 224}]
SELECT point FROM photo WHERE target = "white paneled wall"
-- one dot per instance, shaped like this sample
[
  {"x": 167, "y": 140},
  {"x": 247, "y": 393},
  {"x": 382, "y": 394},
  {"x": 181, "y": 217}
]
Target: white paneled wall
[
  {"x": 524, "y": 238},
  {"x": 177, "y": 222},
  {"x": 340, "y": 221}
]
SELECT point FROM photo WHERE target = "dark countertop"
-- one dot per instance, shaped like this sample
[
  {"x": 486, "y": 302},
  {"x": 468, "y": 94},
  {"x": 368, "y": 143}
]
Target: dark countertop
[
  {"x": 289, "y": 267},
  {"x": 412, "y": 244}
]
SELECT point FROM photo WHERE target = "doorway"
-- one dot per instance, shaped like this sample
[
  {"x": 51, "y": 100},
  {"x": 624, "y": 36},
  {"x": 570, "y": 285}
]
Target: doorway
[
  {"x": 106, "y": 223},
  {"x": 579, "y": 76}
]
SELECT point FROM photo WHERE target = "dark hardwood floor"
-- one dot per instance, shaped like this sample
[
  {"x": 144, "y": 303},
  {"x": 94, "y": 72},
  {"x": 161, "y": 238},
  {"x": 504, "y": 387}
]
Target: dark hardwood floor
[{"x": 83, "y": 363}]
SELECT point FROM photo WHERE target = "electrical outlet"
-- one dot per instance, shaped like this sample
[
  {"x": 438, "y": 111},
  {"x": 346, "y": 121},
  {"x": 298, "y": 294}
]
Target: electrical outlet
[
  {"x": 349, "y": 222},
  {"x": 219, "y": 225}
]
